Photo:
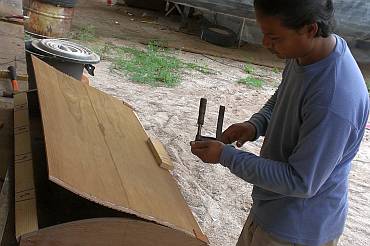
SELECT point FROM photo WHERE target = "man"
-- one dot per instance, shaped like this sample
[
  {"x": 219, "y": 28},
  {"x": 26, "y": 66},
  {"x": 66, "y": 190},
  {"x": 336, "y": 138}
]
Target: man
[{"x": 313, "y": 126}]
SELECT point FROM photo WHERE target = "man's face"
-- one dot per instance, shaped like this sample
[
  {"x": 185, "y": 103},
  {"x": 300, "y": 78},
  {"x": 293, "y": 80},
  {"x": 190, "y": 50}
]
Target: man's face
[{"x": 285, "y": 43}]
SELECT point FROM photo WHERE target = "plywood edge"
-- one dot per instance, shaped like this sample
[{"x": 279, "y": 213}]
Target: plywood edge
[
  {"x": 126, "y": 210},
  {"x": 109, "y": 231},
  {"x": 128, "y": 105},
  {"x": 25, "y": 199}
]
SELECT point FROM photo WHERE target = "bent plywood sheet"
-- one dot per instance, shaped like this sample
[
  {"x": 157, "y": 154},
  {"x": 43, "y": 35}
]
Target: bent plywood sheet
[
  {"x": 96, "y": 147},
  {"x": 109, "y": 231}
]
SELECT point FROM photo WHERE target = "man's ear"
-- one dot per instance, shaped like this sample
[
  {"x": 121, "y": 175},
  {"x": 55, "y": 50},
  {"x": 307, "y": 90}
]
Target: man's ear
[{"x": 311, "y": 30}]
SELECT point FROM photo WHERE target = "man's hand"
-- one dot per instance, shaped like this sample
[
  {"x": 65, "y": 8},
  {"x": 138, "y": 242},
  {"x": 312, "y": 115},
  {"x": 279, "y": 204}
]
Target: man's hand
[
  {"x": 208, "y": 151},
  {"x": 240, "y": 132}
]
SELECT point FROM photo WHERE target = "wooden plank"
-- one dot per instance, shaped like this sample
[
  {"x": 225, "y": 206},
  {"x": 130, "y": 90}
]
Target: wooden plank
[
  {"x": 25, "y": 198},
  {"x": 109, "y": 231},
  {"x": 91, "y": 134},
  {"x": 160, "y": 153}
]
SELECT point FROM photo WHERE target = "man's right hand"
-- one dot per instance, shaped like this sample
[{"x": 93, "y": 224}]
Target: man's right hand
[{"x": 240, "y": 132}]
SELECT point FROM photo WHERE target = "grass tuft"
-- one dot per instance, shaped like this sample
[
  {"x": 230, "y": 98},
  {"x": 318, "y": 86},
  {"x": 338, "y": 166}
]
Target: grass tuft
[
  {"x": 248, "y": 69},
  {"x": 251, "y": 81},
  {"x": 86, "y": 34},
  {"x": 276, "y": 70},
  {"x": 153, "y": 66}
]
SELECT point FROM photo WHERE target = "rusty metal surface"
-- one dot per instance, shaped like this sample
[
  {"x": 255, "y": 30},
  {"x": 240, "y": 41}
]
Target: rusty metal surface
[{"x": 48, "y": 20}]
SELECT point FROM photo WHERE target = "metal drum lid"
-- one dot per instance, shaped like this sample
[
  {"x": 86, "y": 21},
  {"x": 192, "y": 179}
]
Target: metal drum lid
[{"x": 66, "y": 50}]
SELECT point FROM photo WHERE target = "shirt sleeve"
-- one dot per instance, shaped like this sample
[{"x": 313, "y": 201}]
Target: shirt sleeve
[
  {"x": 323, "y": 139},
  {"x": 261, "y": 119}
]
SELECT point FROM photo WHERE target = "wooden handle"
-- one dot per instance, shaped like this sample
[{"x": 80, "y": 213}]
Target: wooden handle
[
  {"x": 202, "y": 111},
  {"x": 15, "y": 86},
  {"x": 13, "y": 78}
]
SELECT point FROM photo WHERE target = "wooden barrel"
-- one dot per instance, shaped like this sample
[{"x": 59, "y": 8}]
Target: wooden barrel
[{"x": 47, "y": 20}]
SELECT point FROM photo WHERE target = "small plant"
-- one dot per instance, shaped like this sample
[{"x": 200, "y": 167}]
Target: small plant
[
  {"x": 248, "y": 69},
  {"x": 150, "y": 67},
  {"x": 251, "y": 81},
  {"x": 154, "y": 65},
  {"x": 199, "y": 68},
  {"x": 27, "y": 37},
  {"x": 86, "y": 33},
  {"x": 103, "y": 50},
  {"x": 276, "y": 70}
]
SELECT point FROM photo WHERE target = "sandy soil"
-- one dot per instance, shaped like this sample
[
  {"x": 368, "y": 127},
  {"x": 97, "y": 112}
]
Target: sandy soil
[{"x": 219, "y": 200}]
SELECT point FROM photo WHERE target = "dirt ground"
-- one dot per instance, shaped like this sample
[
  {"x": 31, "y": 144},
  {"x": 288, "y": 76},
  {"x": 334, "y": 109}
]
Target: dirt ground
[{"x": 219, "y": 200}]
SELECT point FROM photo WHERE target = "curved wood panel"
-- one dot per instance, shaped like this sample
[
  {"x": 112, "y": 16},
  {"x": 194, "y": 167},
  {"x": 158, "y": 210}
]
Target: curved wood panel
[{"x": 109, "y": 231}]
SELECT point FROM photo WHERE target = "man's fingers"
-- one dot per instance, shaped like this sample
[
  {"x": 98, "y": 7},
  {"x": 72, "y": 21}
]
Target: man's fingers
[
  {"x": 225, "y": 139},
  {"x": 199, "y": 152},
  {"x": 241, "y": 142},
  {"x": 228, "y": 136},
  {"x": 199, "y": 144}
]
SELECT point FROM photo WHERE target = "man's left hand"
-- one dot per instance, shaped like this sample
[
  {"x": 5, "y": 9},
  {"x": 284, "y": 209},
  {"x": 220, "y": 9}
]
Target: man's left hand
[{"x": 208, "y": 151}]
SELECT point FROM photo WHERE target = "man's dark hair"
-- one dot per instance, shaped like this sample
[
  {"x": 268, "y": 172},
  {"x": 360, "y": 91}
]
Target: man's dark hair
[{"x": 295, "y": 14}]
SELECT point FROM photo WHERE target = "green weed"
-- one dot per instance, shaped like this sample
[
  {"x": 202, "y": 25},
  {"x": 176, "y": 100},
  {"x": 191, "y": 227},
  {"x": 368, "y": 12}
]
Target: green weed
[
  {"x": 199, "y": 68},
  {"x": 104, "y": 51},
  {"x": 276, "y": 70},
  {"x": 27, "y": 37},
  {"x": 248, "y": 69},
  {"x": 86, "y": 34},
  {"x": 251, "y": 81},
  {"x": 154, "y": 66},
  {"x": 150, "y": 67}
]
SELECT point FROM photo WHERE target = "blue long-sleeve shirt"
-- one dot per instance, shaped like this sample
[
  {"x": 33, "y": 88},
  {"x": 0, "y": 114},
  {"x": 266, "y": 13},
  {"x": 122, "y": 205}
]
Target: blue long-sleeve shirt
[{"x": 313, "y": 126}]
